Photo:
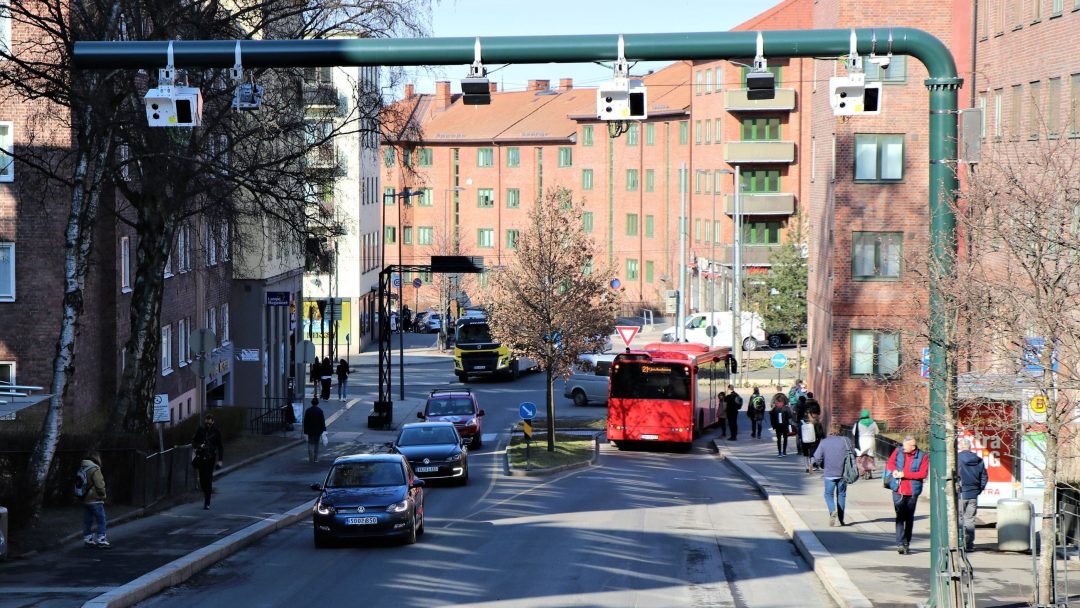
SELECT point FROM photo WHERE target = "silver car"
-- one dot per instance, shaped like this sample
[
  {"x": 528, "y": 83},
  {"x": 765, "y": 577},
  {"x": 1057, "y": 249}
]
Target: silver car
[{"x": 588, "y": 385}]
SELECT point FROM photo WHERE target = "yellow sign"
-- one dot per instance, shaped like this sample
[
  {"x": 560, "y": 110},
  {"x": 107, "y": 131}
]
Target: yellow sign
[
  {"x": 527, "y": 426},
  {"x": 1038, "y": 404}
]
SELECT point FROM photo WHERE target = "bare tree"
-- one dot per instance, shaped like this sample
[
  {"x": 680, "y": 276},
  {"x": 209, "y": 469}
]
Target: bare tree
[{"x": 550, "y": 303}]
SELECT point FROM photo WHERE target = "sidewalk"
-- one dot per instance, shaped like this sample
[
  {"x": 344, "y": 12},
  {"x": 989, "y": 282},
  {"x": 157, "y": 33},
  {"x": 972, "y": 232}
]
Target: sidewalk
[
  {"x": 169, "y": 546},
  {"x": 858, "y": 563}
]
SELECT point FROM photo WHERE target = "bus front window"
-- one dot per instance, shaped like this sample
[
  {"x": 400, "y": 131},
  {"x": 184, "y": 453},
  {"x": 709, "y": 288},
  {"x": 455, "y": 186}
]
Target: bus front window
[{"x": 651, "y": 381}]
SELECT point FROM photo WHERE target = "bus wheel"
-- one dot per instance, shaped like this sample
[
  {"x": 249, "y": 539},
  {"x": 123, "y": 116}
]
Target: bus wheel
[
  {"x": 515, "y": 369},
  {"x": 580, "y": 399}
]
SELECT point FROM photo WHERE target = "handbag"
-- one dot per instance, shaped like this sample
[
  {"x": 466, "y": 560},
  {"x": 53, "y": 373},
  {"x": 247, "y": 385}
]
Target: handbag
[
  {"x": 323, "y": 439},
  {"x": 886, "y": 479}
]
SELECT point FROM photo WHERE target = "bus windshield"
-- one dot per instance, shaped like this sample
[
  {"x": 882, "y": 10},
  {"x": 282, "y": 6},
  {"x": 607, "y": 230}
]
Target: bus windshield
[{"x": 646, "y": 380}]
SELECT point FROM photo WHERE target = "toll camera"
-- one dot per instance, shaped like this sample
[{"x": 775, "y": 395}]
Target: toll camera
[
  {"x": 851, "y": 95},
  {"x": 621, "y": 99},
  {"x": 173, "y": 106}
]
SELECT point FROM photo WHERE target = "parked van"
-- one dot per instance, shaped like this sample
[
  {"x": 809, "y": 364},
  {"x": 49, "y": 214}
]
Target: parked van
[
  {"x": 701, "y": 327},
  {"x": 588, "y": 385}
]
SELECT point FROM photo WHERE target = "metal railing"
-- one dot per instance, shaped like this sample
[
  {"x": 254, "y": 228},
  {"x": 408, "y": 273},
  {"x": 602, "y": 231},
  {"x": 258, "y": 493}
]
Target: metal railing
[
  {"x": 271, "y": 418},
  {"x": 956, "y": 577}
]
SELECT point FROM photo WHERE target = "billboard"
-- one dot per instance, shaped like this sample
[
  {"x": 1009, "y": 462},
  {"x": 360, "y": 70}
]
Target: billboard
[
  {"x": 317, "y": 329},
  {"x": 990, "y": 426}
]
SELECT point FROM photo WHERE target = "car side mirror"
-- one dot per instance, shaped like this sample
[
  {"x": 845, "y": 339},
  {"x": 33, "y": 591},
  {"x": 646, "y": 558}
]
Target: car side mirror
[
  {"x": 420, "y": 415},
  {"x": 480, "y": 413},
  {"x": 317, "y": 487},
  {"x": 417, "y": 482}
]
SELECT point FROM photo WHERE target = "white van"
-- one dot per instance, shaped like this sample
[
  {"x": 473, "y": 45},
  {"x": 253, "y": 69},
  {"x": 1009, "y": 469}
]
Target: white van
[
  {"x": 701, "y": 325},
  {"x": 588, "y": 385}
]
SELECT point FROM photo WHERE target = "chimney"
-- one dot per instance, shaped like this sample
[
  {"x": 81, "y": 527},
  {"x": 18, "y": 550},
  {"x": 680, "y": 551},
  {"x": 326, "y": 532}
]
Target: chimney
[
  {"x": 442, "y": 95},
  {"x": 410, "y": 90},
  {"x": 565, "y": 84},
  {"x": 493, "y": 87},
  {"x": 539, "y": 85}
]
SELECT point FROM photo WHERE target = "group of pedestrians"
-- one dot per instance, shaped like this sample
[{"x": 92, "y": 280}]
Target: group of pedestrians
[{"x": 322, "y": 375}]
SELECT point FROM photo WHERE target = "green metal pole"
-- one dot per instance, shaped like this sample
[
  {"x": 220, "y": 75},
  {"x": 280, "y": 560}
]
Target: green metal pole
[{"x": 943, "y": 84}]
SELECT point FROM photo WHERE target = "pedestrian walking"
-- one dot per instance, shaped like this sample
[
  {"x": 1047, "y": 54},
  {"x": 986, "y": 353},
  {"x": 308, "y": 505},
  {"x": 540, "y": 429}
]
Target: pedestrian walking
[
  {"x": 90, "y": 488},
  {"x": 829, "y": 456},
  {"x": 756, "y": 413},
  {"x": 865, "y": 433},
  {"x": 973, "y": 480},
  {"x": 326, "y": 376},
  {"x": 209, "y": 452},
  {"x": 342, "y": 380},
  {"x": 780, "y": 421},
  {"x": 314, "y": 427},
  {"x": 810, "y": 433},
  {"x": 721, "y": 412},
  {"x": 908, "y": 467},
  {"x": 796, "y": 391},
  {"x": 315, "y": 375},
  {"x": 732, "y": 405}
]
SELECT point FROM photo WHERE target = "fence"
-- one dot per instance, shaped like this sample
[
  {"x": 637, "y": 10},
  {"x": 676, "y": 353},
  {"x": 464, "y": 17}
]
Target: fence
[
  {"x": 163, "y": 474},
  {"x": 276, "y": 416}
]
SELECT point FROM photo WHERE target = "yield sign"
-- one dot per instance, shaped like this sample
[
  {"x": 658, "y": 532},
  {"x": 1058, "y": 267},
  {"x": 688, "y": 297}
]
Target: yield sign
[{"x": 627, "y": 333}]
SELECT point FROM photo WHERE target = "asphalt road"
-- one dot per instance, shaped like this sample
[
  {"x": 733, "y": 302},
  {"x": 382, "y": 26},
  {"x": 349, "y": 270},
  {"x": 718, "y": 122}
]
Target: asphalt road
[{"x": 641, "y": 529}]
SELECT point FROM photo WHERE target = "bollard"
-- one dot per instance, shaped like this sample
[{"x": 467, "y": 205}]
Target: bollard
[{"x": 1014, "y": 517}]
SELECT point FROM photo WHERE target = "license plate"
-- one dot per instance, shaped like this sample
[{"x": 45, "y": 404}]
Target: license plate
[
  {"x": 650, "y": 437},
  {"x": 360, "y": 521},
  {"x": 426, "y": 469},
  {"x": 478, "y": 367}
]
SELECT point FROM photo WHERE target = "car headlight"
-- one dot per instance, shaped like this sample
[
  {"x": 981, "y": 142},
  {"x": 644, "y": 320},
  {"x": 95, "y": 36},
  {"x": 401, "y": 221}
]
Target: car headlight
[
  {"x": 398, "y": 507},
  {"x": 471, "y": 422},
  {"x": 454, "y": 458},
  {"x": 322, "y": 509}
]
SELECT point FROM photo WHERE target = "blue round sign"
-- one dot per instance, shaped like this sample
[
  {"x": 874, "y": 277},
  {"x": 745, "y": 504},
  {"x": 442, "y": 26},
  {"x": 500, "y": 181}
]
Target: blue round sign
[
  {"x": 615, "y": 283},
  {"x": 397, "y": 281},
  {"x": 779, "y": 360},
  {"x": 527, "y": 410},
  {"x": 417, "y": 283}
]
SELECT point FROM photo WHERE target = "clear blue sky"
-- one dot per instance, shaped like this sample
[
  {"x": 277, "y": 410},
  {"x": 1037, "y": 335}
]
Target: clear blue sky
[{"x": 554, "y": 17}]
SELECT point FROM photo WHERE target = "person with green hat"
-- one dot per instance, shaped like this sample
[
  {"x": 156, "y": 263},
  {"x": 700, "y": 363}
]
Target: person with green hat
[{"x": 865, "y": 432}]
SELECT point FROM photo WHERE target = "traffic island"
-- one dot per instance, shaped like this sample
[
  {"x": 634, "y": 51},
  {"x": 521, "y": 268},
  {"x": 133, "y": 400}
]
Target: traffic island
[{"x": 576, "y": 445}]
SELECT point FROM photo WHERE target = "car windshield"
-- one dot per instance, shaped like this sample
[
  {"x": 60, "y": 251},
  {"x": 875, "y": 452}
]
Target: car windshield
[
  {"x": 473, "y": 333},
  {"x": 651, "y": 381},
  {"x": 365, "y": 475},
  {"x": 427, "y": 435},
  {"x": 454, "y": 406}
]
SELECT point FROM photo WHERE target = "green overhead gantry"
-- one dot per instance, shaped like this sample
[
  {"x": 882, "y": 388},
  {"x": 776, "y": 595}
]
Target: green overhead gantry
[{"x": 943, "y": 84}]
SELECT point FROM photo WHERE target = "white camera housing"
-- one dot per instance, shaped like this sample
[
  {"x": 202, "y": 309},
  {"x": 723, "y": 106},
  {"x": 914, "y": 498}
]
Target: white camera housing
[
  {"x": 172, "y": 106},
  {"x": 622, "y": 99},
  {"x": 882, "y": 61},
  {"x": 852, "y": 95}
]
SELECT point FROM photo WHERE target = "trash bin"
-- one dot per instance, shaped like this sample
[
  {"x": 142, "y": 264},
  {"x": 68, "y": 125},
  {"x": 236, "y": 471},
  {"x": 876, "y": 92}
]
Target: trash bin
[
  {"x": 1014, "y": 518},
  {"x": 3, "y": 532}
]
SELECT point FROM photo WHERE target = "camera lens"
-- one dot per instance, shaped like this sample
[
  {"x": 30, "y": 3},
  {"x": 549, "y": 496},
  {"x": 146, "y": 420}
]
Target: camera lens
[
  {"x": 154, "y": 106},
  {"x": 607, "y": 109},
  {"x": 607, "y": 99}
]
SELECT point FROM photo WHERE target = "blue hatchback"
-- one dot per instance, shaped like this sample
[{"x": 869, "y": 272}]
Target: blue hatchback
[{"x": 369, "y": 495}]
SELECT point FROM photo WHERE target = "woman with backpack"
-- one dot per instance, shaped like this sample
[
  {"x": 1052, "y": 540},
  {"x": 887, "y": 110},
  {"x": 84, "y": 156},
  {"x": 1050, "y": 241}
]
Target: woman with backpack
[
  {"x": 756, "y": 413},
  {"x": 810, "y": 433},
  {"x": 865, "y": 432}
]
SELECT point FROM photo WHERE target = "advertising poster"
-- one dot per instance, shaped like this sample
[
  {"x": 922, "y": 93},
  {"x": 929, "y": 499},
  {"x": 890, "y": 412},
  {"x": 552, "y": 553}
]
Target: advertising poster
[
  {"x": 1034, "y": 460},
  {"x": 317, "y": 329},
  {"x": 989, "y": 427}
]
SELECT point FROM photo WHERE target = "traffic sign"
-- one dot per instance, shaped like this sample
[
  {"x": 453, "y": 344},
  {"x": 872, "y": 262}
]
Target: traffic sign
[
  {"x": 779, "y": 360},
  {"x": 1038, "y": 404},
  {"x": 417, "y": 283},
  {"x": 202, "y": 341},
  {"x": 527, "y": 410},
  {"x": 397, "y": 281},
  {"x": 616, "y": 283},
  {"x": 161, "y": 408},
  {"x": 627, "y": 333},
  {"x": 527, "y": 428}
]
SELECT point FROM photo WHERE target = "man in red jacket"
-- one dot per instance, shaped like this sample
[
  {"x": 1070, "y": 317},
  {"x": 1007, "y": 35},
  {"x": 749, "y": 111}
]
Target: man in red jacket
[{"x": 908, "y": 467}]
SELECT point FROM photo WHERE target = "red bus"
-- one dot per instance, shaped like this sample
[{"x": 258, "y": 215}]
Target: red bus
[{"x": 666, "y": 393}]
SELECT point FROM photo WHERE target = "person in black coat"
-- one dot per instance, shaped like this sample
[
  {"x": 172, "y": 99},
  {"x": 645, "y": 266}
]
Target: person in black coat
[
  {"x": 209, "y": 453},
  {"x": 314, "y": 427},
  {"x": 326, "y": 372},
  {"x": 342, "y": 380},
  {"x": 732, "y": 405},
  {"x": 973, "y": 480},
  {"x": 780, "y": 421}
]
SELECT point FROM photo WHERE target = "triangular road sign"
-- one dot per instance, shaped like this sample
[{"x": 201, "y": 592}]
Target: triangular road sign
[{"x": 627, "y": 333}]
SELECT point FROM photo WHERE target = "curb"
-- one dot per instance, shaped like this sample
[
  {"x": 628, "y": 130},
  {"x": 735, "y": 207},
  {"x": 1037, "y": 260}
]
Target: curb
[
  {"x": 551, "y": 470},
  {"x": 826, "y": 567},
  {"x": 181, "y": 569}
]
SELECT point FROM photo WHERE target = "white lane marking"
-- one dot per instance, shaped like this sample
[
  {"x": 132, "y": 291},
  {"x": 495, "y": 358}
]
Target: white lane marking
[{"x": 488, "y": 437}]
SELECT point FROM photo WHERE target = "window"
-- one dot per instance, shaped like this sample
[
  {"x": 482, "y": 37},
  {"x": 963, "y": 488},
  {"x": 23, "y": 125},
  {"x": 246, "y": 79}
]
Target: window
[
  {"x": 718, "y": 123},
  {"x": 708, "y": 231},
  {"x": 168, "y": 267},
  {"x": 761, "y": 129},
  {"x": 125, "y": 265},
  {"x": 982, "y": 106},
  {"x": 874, "y": 353},
  {"x": 225, "y": 323},
  {"x": 485, "y": 157},
  {"x": 183, "y": 350},
  {"x": 648, "y": 271},
  {"x": 7, "y": 371},
  {"x": 697, "y": 230},
  {"x": 879, "y": 158},
  {"x": 649, "y": 223},
  {"x": 586, "y": 135},
  {"x": 716, "y": 232},
  {"x": 166, "y": 350},
  {"x": 1014, "y": 125},
  {"x": 708, "y": 81},
  {"x": 1074, "y": 104},
  {"x": 389, "y": 197},
  {"x": 513, "y": 157},
  {"x": 1053, "y": 107},
  {"x": 183, "y": 248},
  {"x": 423, "y": 157},
  {"x": 485, "y": 197},
  {"x": 1056, "y": 8},
  {"x": 759, "y": 180},
  {"x": 7, "y": 272},
  {"x": 426, "y": 198},
  {"x": 211, "y": 246},
  {"x": 388, "y": 157},
  {"x": 716, "y": 73},
  {"x": 485, "y": 237},
  {"x": 650, "y": 134},
  {"x": 586, "y": 179},
  {"x": 895, "y": 73},
  {"x": 761, "y": 233},
  {"x": 708, "y": 131},
  {"x": 631, "y": 224},
  {"x": 390, "y": 235},
  {"x": 697, "y": 131},
  {"x": 1034, "y": 105},
  {"x": 513, "y": 198},
  {"x": 5, "y": 27},
  {"x": 225, "y": 247},
  {"x": 632, "y": 134},
  {"x": 700, "y": 83},
  {"x": 997, "y": 113},
  {"x": 1036, "y": 12},
  {"x": 512, "y": 239},
  {"x": 406, "y": 235},
  {"x": 631, "y": 269},
  {"x": 425, "y": 235},
  {"x": 211, "y": 322},
  {"x": 984, "y": 22},
  {"x": 482, "y": 280},
  {"x": 684, "y": 132},
  {"x": 587, "y": 221},
  {"x": 566, "y": 156},
  {"x": 7, "y": 144},
  {"x": 650, "y": 180},
  {"x": 876, "y": 255},
  {"x": 699, "y": 179},
  {"x": 631, "y": 180}
]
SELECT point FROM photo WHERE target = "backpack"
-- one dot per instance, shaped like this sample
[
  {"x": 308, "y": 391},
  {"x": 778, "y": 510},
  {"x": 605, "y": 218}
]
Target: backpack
[
  {"x": 82, "y": 481},
  {"x": 738, "y": 401},
  {"x": 757, "y": 403},
  {"x": 851, "y": 468},
  {"x": 807, "y": 432}
]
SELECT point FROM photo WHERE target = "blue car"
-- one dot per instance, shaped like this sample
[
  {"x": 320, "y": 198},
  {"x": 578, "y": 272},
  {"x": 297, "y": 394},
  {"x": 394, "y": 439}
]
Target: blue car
[{"x": 369, "y": 495}]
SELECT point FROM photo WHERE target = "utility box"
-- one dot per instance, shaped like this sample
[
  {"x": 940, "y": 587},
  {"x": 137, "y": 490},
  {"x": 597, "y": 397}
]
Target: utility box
[{"x": 1014, "y": 518}]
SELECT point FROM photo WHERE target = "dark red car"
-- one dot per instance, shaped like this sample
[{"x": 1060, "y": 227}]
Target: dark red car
[{"x": 457, "y": 406}]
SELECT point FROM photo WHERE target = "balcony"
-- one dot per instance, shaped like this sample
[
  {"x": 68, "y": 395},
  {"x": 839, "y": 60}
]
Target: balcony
[
  {"x": 325, "y": 157},
  {"x": 752, "y": 255},
  {"x": 735, "y": 101},
  {"x": 320, "y": 95},
  {"x": 759, "y": 152},
  {"x": 772, "y": 203}
]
